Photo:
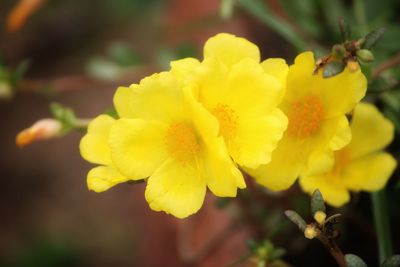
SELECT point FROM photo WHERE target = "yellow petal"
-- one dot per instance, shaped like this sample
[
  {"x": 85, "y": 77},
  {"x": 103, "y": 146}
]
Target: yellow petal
[
  {"x": 300, "y": 79},
  {"x": 256, "y": 138},
  {"x": 205, "y": 123},
  {"x": 250, "y": 91},
  {"x": 320, "y": 162},
  {"x": 230, "y": 49},
  {"x": 369, "y": 173},
  {"x": 123, "y": 101},
  {"x": 371, "y": 130},
  {"x": 94, "y": 145},
  {"x": 276, "y": 67},
  {"x": 332, "y": 188},
  {"x": 138, "y": 147},
  {"x": 182, "y": 69},
  {"x": 102, "y": 178},
  {"x": 287, "y": 162},
  {"x": 342, "y": 92},
  {"x": 343, "y": 134},
  {"x": 176, "y": 189},
  {"x": 158, "y": 98},
  {"x": 222, "y": 176}
]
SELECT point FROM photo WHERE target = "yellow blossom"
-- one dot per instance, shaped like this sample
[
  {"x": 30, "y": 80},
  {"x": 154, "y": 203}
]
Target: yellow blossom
[
  {"x": 310, "y": 232},
  {"x": 316, "y": 109},
  {"x": 165, "y": 135},
  {"x": 94, "y": 148},
  {"x": 40, "y": 130},
  {"x": 242, "y": 95},
  {"x": 361, "y": 165}
]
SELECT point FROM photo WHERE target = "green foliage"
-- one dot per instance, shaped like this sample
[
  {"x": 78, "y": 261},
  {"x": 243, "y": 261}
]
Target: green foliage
[
  {"x": 393, "y": 261},
  {"x": 354, "y": 261},
  {"x": 296, "y": 219},
  {"x": 317, "y": 202},
  {"x": 65, "y": 116}
]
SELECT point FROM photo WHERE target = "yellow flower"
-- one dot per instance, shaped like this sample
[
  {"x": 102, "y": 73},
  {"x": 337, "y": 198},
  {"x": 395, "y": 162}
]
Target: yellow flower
[
  {"x": 165, "y": 135},
  {"x": 94, "y": 148},
  {"x": 236, "y": 89},
  {"x": 317, "y": 126},
  {"x": 361, "y": 165}
]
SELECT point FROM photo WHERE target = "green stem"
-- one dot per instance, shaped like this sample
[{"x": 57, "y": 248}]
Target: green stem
[
  {"x": 382, "y": 224},
  {"x": 260, "y": 11},
  {"x": 359, "y": 13}
]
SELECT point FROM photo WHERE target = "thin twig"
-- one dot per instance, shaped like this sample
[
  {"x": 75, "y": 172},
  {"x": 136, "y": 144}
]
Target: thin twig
[
  {"x": 333, "y": 249},
  {"x": 390, "y": 63}
]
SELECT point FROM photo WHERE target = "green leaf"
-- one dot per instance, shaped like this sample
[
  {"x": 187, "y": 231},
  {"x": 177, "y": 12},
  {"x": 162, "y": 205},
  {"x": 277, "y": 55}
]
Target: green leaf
[
  {"x": 354, "y": 261},
  {"x": 65, "y": 115},
  {"x": 393, "y": 261},
  {"x": 317, "y": 202},
  {"x": 332, "y": 68},
  {"x": 122, "y": 54},
  {"x": 372, "y": 37},
  {"x": 19, "y": 72},
  {"x": 296, "y": 219}
]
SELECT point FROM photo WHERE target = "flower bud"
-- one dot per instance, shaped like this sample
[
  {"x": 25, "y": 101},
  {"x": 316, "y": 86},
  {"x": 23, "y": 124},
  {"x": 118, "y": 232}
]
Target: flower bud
[
  {"x": 353, "y": 66},
  {"x": 40, "y": 130},
  {"x": 310, "y": 232},
  {"x": 365, "y": 55},
  {"x": 338, "y": 51},
  {"x": 320, "y": 217}
]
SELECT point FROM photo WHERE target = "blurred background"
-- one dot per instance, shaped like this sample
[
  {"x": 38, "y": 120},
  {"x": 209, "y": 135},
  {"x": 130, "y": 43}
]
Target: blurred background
[{"x": 78, "y": 52}]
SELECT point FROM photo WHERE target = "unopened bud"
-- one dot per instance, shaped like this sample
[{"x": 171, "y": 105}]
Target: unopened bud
[
  {"x": 338, "y": 51},
  {"x": 353, "y": 66},
  {"x": 40, "y": 130},
  {"x": 365, "y": 55},
  {"x": 310, "y": 232},
  {"x": 320, "y": 217}
]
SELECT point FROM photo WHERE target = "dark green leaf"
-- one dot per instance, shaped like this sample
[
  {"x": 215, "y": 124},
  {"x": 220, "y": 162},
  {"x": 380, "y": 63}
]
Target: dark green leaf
[
  {"x": 372, "y": 37},
  {"x": 332, "y": 68},
  {"x": 277, "y": 253},
  {"x": 354, "y": 261},
  {"x": 296, "y": 219},
  {"x": 317, "y": 202},
  {"x": 393, "y": 261},
  {"x": 19, "y": 72}
]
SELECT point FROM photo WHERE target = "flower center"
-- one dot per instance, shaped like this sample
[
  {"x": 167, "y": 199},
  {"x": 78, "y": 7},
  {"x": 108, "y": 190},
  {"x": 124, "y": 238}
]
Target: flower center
[
  {"x": 227, "y": 119},
  {"x": 342, "y": 159},
  {"x": 305, "y": 117},
  {"x": 182, "y": 142}
]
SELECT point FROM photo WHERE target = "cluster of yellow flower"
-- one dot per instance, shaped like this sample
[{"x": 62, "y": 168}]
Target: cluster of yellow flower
[{"x": 194, "y": 126}]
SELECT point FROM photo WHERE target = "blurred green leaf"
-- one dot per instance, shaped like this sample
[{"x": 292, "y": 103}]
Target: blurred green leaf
[
  {"x": 296, "y": 219},
  {"x": 373, "y": 37},
  {"x": 317, "y": 202},
  {"x": 354, "y": 261},
  {"x": 103, "y": 69},
  {"x": 393, "y": 261},
  {"x": 19, "y": 72},
  {"x": 122, "y": 54}
]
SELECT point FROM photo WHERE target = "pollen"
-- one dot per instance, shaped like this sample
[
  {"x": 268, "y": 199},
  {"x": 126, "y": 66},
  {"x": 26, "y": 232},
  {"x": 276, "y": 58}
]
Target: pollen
[
  {"x": 182, "y": 142},
  {"x": 305, "y": 117},
  {"x": 227, "y": 118}
]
